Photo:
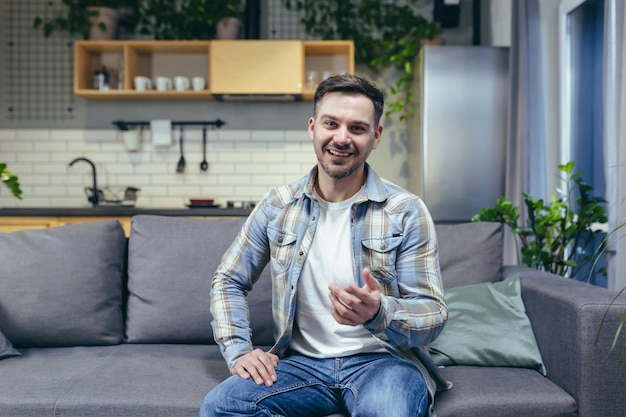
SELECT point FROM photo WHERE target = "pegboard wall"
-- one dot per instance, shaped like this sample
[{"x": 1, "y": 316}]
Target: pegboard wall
[
  {"x": 283, "y": 23},
  {"x": 37, "y": 70}
]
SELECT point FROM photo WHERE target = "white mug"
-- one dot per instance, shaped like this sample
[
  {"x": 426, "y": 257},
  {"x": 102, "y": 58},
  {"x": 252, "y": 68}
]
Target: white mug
[
  {"x": 163, "y": 83},
  {"x": 198, "y": 83},
  {"x": 181, "y": 83},
  {"x": 131, "y": 140},
  {"x": 142, "y": 83}
]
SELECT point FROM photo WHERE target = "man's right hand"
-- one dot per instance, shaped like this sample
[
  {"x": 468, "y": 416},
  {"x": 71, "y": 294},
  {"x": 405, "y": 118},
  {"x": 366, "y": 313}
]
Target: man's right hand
[{"x": 258, "y": 365}]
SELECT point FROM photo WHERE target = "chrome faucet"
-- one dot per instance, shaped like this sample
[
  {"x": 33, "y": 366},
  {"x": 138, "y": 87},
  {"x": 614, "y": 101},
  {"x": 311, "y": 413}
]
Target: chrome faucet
[{"x": 94, "y": 196}]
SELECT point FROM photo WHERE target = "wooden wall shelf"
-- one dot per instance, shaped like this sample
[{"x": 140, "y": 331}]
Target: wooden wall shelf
[{"x": 241, "y": 67}]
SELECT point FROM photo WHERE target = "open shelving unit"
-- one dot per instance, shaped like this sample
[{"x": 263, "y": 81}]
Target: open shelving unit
[{"x": 260, "y": 69}]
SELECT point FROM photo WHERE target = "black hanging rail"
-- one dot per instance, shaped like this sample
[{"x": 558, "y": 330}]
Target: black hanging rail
[{"x": 126, "y": 124}]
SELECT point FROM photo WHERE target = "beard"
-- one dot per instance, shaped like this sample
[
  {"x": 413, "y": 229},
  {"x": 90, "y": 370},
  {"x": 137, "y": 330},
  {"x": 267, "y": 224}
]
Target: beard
[{"x": 339, "y": 172}]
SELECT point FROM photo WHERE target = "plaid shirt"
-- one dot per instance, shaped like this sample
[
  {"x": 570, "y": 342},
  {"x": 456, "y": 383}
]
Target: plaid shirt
[{"x": 392, "y": 234}]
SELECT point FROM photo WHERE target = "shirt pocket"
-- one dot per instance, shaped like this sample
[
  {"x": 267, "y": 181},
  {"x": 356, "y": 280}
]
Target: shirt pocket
[
  {"x": 379, "y": 255},
  {"x": 282, "y": 247}
]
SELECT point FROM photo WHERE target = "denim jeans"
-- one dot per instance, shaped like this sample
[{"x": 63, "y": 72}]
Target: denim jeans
[{"x": 376, "y": 384}]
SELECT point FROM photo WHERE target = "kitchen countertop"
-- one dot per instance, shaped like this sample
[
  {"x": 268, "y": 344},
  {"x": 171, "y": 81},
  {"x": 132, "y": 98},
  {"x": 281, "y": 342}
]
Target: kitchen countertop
[{"x": 117, "y": 211}]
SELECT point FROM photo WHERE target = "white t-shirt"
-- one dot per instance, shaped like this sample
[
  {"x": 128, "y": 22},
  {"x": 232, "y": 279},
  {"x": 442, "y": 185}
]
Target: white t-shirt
[{"x": 316, "y": 333}]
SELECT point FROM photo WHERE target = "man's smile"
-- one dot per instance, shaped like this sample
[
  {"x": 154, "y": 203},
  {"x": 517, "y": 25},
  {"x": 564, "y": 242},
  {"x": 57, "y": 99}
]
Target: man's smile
[{"x": 337, "y": 153}]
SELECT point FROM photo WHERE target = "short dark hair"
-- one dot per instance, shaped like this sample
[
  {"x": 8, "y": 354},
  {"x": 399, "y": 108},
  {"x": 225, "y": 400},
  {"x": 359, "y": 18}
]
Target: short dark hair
[{"x": 348, "y": 83}]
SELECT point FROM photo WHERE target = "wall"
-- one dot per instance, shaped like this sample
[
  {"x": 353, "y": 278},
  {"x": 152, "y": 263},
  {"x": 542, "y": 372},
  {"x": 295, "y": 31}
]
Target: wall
[
  {"x": 263, "y": 144},
  {"x": 243, "y": 164}
]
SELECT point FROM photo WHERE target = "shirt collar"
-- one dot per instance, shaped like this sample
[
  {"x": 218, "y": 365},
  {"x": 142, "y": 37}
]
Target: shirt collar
[{"x": 374, "y": 187}]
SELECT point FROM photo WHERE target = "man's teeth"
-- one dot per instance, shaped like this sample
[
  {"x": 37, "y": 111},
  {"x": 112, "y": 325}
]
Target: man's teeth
[{"x": 338, "y": 153}]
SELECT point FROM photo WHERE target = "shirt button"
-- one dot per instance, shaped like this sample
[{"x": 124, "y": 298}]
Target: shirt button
[
  {"x": 280, "y": 239},
  {"x": 301, "y": 253}
]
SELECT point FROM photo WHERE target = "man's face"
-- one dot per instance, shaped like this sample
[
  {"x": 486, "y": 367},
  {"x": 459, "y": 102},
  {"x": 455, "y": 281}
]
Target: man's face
[{"x": 343, "y": 133}]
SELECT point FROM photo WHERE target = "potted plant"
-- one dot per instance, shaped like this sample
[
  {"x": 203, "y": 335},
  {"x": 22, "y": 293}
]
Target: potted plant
[
  {"x": 92, "y": 19},
  {"x": 10, "y": 180},
  {"x": 385, "y": 34},
  {"x": 184, "y": 19},
  {"x": 559, "y": 236}
]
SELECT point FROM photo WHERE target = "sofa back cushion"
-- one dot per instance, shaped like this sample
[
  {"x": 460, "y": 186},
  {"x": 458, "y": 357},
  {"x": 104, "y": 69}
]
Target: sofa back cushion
[
  {"x": 171, "y": 262},
  {"x": 470, "y": 253},
  {"x": 63, "y": 286}
]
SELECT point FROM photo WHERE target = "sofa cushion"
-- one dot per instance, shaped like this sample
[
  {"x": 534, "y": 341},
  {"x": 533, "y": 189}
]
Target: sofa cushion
[
  {"x": 502, "y": 392},
  {"x": 105, "y": 381},
  {"x": 470, "y": 253},
  {"x": 487, "y": 326},
  {"x": 170, "y": 266},
  {"x": 6, "y": 348},
  {"x": 63, "y": 286}
]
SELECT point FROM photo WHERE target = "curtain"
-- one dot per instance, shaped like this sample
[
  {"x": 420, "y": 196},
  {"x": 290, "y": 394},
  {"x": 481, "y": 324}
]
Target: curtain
[
  {"x": 615, "y": 135},
  {"x": 525, "y": 151}
]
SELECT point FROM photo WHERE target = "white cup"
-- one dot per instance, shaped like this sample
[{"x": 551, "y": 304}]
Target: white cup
[
  {"x": 198, "y": 83},
  {"x": 181, "y": 83},
  {"x": 142, "y": 83},
  {"x": 163, "y": 83},
  {"x": 131, "y": 140}
]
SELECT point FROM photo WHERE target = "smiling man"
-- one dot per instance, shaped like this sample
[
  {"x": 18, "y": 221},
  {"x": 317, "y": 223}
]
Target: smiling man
[{"x": 357, "y": 292}]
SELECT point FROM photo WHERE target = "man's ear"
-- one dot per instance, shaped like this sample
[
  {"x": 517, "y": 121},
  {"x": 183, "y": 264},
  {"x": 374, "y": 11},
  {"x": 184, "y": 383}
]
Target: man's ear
[
  {"x": 311, "y": 127},
  {"x": 378, "y": 133}
]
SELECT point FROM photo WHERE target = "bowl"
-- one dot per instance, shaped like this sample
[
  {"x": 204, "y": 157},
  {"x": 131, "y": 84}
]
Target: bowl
[{"x": 201, "y": 201}]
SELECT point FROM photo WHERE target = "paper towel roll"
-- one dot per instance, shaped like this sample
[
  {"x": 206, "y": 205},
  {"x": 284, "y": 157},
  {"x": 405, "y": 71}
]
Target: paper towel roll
[{"x": 161, "y": 133}]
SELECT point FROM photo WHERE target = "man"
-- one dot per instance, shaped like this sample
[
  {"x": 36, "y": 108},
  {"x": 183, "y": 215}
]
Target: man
[{"x": 357, "y": 292}]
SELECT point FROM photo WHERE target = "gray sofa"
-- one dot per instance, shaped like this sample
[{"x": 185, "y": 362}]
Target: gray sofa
[{"x": 110, "y": 326}]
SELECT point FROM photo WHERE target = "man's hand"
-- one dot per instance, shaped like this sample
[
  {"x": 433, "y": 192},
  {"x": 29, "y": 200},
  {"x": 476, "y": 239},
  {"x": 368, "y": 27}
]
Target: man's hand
[
  {"x": 258, "y": 365},
  {"x": 353, "y": 305}
]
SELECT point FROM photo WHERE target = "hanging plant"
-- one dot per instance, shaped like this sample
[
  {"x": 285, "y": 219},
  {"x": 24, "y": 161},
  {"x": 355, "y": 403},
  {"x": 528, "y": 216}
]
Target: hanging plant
[
  {"x": 184, "y": 19},
  {"x": 80, "y": 16},
  {"x": 385, "y": 35}
]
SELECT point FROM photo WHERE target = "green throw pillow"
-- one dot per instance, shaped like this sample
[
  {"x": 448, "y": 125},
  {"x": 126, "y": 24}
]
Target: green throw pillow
[{"x": 487, "y": 326}]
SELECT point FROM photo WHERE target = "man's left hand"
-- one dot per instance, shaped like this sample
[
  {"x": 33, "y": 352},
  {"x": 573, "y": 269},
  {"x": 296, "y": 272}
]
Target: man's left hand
[{"x": 353, "y": 305}]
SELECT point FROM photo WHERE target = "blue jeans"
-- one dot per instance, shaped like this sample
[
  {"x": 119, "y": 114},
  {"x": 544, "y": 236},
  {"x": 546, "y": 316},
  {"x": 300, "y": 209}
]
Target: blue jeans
[{"x": 376, "y": 384}]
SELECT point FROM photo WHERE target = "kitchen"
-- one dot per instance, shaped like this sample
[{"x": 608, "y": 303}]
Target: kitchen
[{"x": 262, "y": 144}]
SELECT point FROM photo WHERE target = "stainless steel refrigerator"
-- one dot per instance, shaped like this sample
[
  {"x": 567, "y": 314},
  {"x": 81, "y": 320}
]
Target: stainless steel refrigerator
[{"x": 457, "y": 150}]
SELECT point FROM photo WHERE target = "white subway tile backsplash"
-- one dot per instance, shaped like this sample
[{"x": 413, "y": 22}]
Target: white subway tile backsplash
[
  {"x": 67, "y": 135},
  {"x": 285, "y": 169},
  {"x": 19, "y": 146},
  {"x": 253, "y": 169},
  {"x": 268, "y": 136},
  {"x": 243, "y": 165},
  {"x": 299, "y": 135},
  {"x": 33, "y": 134},
  {"x": 234, "y": 135},
  {"x": 268, "y": 157},
  {"x": 49, "y": 191},
  {"x": 234, "y": 157},
  {"x": 264, "y": 180},
  {"x": 7, "y": 135},
  {"x": 101, "y": 135},
  {"x": 234, "y": 179}
]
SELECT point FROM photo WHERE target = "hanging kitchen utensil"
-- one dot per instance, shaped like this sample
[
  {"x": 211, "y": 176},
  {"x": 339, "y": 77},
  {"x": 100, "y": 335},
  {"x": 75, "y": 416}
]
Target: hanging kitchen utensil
[
  {"x": 204, "y": 165},
  {"x": 180, "y": 168}
]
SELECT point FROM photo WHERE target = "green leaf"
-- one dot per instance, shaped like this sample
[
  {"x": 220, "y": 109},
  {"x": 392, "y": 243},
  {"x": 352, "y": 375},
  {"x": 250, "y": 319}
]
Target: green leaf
[{"x": 11, "y": 181}]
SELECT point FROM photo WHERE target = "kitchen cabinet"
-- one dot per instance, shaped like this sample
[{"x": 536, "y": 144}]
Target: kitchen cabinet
[
  {"x": 14, "y": 219},
  {"x": 250, "y": 69},
  {"x": 14, "y": 224}
]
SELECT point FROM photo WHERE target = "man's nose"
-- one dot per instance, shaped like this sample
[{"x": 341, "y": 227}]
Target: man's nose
[{"x": 342, "y": 136}]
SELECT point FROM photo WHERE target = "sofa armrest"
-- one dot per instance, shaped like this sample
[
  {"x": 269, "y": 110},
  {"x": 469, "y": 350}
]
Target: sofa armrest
[{"x": 566, "y": 316}]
